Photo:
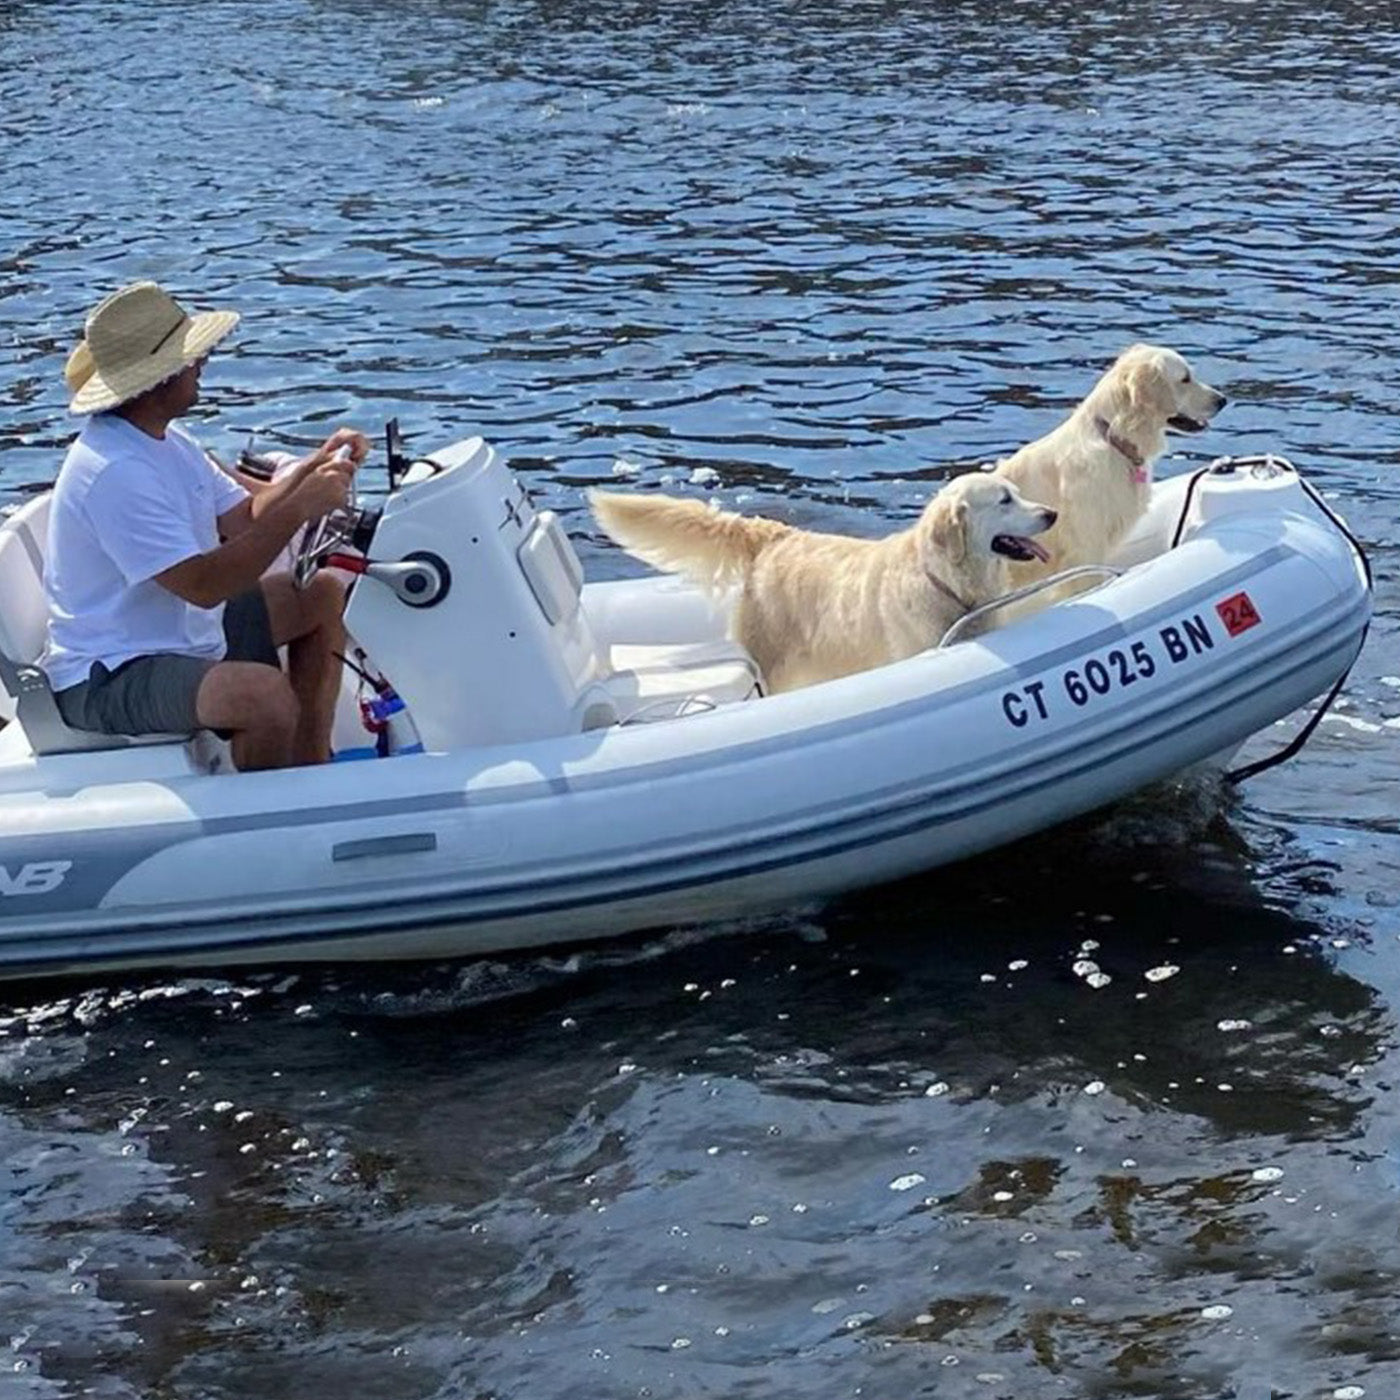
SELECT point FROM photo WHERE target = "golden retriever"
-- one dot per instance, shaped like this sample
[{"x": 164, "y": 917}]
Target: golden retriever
[
  {"x": 812, "y": 607},
  {"x": 1095, "y": 469}
]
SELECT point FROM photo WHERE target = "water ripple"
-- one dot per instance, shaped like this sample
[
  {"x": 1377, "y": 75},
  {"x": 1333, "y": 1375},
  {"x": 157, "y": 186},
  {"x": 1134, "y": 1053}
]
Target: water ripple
[{"x": 1108, "y": 1114}]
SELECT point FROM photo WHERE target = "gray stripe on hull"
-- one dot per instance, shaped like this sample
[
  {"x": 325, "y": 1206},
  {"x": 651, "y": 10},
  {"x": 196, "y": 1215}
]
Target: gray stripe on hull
[
  {"x": 152, "y": 940},
  {"x": 99, "y": 858}
]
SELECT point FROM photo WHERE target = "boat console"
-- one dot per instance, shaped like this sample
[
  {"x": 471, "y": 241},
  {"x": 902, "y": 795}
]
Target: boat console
[{"x": 472, "y": 603}]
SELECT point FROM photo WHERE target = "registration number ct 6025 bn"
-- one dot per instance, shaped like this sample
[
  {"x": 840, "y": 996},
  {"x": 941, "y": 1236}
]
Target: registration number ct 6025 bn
[{"x": 1120, "y": 667}]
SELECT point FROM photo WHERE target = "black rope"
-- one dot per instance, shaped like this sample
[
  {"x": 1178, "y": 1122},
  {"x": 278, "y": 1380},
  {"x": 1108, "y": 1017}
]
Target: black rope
[
  {"x": 1342, "y": 526},
  {"x": 358, "y": 670},
  {"x": 1186, "y": 504},
  {"x": 1238, "y": 775},
  {"x": 1290, "y": 750}
]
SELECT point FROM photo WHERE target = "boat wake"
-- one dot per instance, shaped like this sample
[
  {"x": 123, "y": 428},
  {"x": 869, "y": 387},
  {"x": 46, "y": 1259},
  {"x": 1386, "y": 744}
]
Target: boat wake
[{"x": 1169, "y": 815}]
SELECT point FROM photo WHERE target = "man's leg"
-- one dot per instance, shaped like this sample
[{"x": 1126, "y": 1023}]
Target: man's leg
[
  {"x": 307, "y": 621},
  {"x": 256, "y": 703},
  {"x": 168, "y": 694}
]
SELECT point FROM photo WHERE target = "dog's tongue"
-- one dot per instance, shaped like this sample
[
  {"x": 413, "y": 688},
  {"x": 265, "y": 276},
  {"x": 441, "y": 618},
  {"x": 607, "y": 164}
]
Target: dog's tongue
[{"x": 1035, "y": 548}]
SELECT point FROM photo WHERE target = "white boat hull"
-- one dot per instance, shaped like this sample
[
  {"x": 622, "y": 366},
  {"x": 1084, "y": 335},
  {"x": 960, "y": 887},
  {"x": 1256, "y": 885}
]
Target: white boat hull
[{"x": 133, "y": 860}]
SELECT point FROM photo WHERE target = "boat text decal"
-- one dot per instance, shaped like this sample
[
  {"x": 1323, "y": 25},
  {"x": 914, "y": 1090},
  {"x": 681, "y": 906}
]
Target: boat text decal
[
  {"x": 1122, "y": 666},
  {"x": 34, "y": 877},
  {"x": 1238, "y": 613}
]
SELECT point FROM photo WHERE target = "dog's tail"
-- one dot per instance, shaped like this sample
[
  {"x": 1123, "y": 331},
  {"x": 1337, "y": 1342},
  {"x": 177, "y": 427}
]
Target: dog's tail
[{"x": 680, "y": 536}]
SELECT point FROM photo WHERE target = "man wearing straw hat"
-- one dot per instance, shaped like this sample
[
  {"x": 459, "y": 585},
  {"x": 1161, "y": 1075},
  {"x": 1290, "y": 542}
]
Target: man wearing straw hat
[{"x": 159, "y": 617}]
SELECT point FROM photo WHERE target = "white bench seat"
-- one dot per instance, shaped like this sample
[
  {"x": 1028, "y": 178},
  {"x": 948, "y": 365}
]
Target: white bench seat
[
  {"x": 668, "y": 681},
  {"x": 23, "y": 632}
]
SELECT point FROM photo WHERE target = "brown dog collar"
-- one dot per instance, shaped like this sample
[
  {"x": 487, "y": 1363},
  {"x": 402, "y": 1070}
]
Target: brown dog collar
[
  {"x": 1123, "y": 446},
  {"x": 946, "y": 591}
]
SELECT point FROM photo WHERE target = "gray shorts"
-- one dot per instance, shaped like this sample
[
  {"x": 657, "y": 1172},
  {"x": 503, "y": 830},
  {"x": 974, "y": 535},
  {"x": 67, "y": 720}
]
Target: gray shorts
[{"x": 157, "y": 694}]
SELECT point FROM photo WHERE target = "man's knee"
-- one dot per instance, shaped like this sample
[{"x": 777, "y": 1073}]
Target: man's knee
[
  {"x": 298, "y": 612},
  {"x": 272, "y": 700},
  {"x": 325, "y": 599},
  {"x": 246, "y": 695}
]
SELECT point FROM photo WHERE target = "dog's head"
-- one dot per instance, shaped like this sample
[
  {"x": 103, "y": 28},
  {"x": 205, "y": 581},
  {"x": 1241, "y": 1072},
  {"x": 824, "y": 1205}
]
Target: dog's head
[
  {"x": 976, "y": 518},
  {"x": 1154, "y": 385}
]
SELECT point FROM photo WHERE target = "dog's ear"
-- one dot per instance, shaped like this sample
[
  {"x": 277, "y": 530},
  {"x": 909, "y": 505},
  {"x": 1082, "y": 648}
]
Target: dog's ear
[
  {"x": 945, "y": 529},
  {"x": 1145, "y": 385}
]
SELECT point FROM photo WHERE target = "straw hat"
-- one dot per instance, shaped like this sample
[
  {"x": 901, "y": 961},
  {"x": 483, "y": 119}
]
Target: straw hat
[
  {"x": 79, "y": 368},
  {"x": 137, "y": 338}
]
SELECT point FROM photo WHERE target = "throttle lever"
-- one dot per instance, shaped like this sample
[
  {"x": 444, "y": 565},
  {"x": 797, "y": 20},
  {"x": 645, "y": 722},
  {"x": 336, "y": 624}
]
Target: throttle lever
[{"x": 419, "y": 580}]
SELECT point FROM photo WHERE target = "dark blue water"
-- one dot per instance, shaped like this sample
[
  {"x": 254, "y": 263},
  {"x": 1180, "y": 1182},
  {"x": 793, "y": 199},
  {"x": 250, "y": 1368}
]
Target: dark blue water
[{"x": 1107, "y": 1115}]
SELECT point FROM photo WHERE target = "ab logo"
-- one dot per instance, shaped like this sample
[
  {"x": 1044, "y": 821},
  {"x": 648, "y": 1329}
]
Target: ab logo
[{"x": 35, "y": 877}]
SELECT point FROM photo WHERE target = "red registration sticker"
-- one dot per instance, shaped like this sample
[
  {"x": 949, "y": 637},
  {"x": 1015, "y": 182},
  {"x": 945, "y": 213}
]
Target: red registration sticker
[{"x": 1238, "y": 614}]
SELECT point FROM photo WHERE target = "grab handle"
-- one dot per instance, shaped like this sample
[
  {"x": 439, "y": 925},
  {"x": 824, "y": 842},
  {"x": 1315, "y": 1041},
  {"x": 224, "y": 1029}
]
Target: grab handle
[
  {"x": 1081, "y": 571},
  {"x": 404, "y": 844}
]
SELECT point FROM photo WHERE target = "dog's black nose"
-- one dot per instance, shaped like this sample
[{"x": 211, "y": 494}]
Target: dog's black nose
[
  {"x": 1051, "y": 516},
  {"x": 1220, "y": 400}
]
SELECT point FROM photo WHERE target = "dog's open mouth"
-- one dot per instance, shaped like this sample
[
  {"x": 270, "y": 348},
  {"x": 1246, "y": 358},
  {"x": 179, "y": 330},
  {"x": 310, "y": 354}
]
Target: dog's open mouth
[
  {"x": 1020, "y": 548},
  {"x": 1183, "y": 424}
]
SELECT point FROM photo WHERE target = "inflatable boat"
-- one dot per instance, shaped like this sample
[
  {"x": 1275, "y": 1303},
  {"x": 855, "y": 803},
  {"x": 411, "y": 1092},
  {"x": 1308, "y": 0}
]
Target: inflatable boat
[{"x": 594, "y": 758}]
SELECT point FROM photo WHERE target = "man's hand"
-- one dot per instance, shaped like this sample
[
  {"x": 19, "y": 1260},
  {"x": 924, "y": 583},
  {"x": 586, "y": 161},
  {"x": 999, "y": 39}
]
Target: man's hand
[
  {"x": 348, "y": 446},
  {"x": 339, "y": 455},
  {"x": 352, "y": 438},
  {"x": 324, "y": 488}
]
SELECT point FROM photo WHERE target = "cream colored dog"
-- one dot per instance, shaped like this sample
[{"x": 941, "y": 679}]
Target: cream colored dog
[
  {"x": 1095, "y": 469},
  {"x": 812, "y": 607}
]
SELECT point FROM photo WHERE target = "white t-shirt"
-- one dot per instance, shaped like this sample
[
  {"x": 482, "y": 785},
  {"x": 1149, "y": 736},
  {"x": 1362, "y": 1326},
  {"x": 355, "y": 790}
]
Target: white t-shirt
[{"x": 126, "y": 507}]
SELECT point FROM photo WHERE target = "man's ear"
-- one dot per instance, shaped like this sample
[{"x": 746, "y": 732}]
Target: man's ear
[{"x": 945, "y": 529}]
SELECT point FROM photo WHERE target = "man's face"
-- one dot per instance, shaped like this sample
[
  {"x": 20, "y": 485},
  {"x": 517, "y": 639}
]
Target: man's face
[
  {"x": 189, "y": 383},
  {"x": 181, "y": 391},
  {"x": 170, "y": 399}
]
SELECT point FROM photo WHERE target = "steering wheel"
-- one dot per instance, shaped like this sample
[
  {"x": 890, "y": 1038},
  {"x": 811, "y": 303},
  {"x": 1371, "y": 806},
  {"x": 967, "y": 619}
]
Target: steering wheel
[
  {"x": 323, "y": 537},
  {"x": 351, "y": 526}
]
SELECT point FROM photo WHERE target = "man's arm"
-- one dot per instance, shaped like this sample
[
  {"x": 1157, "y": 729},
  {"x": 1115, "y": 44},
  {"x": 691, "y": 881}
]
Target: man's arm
[
  {"x": 264, "y": 495},
  {"x": 237, "y": 518},
  {"x": 208, "y": 579}
]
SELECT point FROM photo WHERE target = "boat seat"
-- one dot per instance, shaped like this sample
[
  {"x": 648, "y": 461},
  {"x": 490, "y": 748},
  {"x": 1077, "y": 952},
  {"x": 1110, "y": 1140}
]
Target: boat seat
[
  {"x": 669, "y": 681},
  {"x": 626, "y": 683},
  {"x": 23, "y": 632},
  {"x": 626, "y": 656}
]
